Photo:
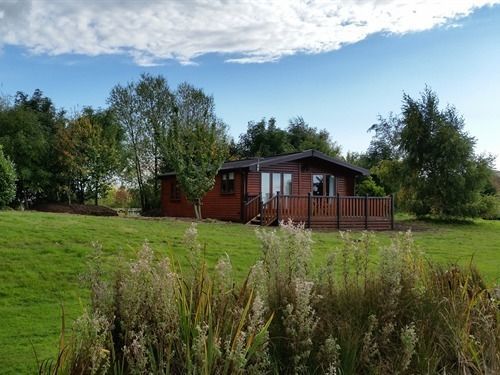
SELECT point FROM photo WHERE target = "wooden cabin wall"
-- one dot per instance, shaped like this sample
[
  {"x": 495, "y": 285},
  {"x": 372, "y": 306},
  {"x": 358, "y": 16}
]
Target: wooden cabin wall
[
  {"x": 302, "y": 172},
  {"x": 215, "y": 205}
]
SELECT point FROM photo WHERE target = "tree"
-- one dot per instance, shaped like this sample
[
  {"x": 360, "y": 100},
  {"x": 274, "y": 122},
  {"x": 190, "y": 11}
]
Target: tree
[
  {"x": 7, "y": 180},
  {"x": 27, "y": 142},
  {"x": 155, "y": 106},
  {"x": 89, "y": 147},
  {"x": 144, "y": 109},
  {"x": 197, "y": 143},
  {"x": 302, "y": 137},
  {"x": 427, "y": 153},
  {"x": 267, "y": 139},
  {"x": 263, "y": 138}
]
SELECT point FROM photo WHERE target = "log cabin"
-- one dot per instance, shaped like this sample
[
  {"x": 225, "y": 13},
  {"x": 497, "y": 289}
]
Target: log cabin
[{"x": 307, "y": 187}]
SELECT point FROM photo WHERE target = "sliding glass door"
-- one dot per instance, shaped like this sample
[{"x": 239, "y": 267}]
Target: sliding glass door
[{"x": 271, "y": 183}]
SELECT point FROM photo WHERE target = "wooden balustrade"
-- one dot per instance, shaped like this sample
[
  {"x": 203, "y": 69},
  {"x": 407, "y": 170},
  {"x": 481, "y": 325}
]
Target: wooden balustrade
[
  {"x": 251, "y": 208},
  {"x": 343, "y": 212}
]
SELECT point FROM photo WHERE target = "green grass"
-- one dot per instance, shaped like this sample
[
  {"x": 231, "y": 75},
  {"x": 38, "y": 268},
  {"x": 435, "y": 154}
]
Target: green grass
[{"x": 43, "y": 255}]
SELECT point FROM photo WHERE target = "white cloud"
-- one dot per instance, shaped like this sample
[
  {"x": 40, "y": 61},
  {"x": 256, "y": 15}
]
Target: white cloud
[{"x": 246, "y": 31}]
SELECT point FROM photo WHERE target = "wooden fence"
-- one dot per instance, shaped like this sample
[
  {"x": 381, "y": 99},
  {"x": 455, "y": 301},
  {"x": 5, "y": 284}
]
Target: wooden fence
[{"x": 340, "y": 212}]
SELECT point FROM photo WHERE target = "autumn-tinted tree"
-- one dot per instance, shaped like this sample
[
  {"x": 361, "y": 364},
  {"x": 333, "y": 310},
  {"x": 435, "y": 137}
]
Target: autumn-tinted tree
[
  {"x": 90, "y": 151},
  {"x": 197, "y": 143}
]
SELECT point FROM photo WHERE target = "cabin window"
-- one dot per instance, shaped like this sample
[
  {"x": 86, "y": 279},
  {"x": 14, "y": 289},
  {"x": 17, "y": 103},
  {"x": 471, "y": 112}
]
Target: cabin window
[
  {"x": 276, "y": 183},
  {"x": 323, "y": 185},
  {"x": 272, "y": 183},
  {"x": 287, "y": 184},
  {"x": 330, "y": 185},
  {"x": 175, "y": 191},
  {"x": 227, "y": 186},
  {"x": 265, "y": 186},
  {"x": 318, "y": 184}
]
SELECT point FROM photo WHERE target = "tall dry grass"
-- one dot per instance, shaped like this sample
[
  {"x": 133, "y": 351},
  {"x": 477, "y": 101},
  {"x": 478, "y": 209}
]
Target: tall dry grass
[{"x": 402, "y": 315}]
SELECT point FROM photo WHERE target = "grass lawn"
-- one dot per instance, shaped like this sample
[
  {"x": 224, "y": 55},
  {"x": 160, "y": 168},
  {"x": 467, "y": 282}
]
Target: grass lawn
[{"x": 42, "y": 256}]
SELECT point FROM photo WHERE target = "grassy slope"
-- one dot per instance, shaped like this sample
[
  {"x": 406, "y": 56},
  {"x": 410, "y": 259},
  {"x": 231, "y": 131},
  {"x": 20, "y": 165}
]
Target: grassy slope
[{"x": 42, "y": 256}]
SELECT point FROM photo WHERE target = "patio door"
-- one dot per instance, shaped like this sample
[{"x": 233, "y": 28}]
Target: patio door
[{"x": 271, "y": 183}]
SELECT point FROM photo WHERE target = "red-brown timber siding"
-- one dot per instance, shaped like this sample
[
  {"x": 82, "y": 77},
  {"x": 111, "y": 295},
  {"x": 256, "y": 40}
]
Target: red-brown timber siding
[
  {"x": 215, "y": 205},
  {"x": 302, "y": 172}
]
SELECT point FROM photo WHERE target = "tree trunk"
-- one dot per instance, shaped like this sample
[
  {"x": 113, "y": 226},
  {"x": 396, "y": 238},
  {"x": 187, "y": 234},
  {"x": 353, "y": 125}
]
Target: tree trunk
[
  {"x": 96, "y": 196},
  {"x": 197, "y": 209}
]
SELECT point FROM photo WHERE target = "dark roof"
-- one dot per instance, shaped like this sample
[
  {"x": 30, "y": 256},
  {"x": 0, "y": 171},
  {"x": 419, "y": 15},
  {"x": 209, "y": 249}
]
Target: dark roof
[{"x": 253, "y": 163}]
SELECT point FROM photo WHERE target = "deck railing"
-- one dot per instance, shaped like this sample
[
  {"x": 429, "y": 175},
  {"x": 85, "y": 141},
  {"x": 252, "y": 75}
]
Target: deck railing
[
  {"x": 339, "y": 211},
  {"x": 252, "y": 207}
]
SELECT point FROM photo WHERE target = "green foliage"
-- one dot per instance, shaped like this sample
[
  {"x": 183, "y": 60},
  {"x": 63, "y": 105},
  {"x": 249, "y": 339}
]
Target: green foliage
[
  {"x": 263, "y": 139},
  {"x": 7, "y": 180},
  {"x": 144, "y": 110},
  {"x": 389, "y": 175},
  {"x": 443, "y": 175},
  {"x": 402, "y": 316},
  {"x": 367, "y": 186},
  {"x": 267, "y": 139},
  {"x": 301, "y": 136},
  {"x": 27, "y": 129},
  {"x": 197, "y": 143},
  {"x": 89, "y": 149},
  {"x": 428, "y": 159}
]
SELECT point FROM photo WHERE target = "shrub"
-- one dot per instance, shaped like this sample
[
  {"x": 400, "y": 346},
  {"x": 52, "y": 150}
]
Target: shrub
[
  {"x": 369, "y": 187},
  {"x": 7, "y": 180},
  {"x": 401, "y": 315}
]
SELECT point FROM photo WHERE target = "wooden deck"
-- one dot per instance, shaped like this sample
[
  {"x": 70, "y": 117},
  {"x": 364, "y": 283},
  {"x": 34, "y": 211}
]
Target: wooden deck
[{"x": 340, "y": 212}]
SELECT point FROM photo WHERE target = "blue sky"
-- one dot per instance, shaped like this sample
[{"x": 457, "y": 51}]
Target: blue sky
[{"x": 342, "y": 88}]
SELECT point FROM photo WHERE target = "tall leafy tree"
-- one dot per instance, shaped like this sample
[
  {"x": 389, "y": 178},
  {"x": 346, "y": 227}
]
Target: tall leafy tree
[
  {"x": 144, "y": 111},
  {"x": 90, "y": 150},
  {"x": 197, "y": 143},
  {"x": 263, "y": 138},
  {"x": 267, "y": 139},
  {"x": 27, "y": 132},
  {"x": 428, "y": 157},
  {"x": 443, "y": 176},
  {"x": 155, "y": 106},
  {"x": 301, "y": 136}
]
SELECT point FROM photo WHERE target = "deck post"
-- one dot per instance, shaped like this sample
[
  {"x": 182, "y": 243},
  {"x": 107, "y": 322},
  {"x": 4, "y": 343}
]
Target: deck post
[
  {"x": 309, "y": 208},
  {"x": 261, "y": 211},
  {"x": 244, "y": 208},
  {"x": 366, "y": 211},
  {"x": 278, "y": 206},
  {"x": 392, "y": 211},
  {"x": 338, "y": 211}
]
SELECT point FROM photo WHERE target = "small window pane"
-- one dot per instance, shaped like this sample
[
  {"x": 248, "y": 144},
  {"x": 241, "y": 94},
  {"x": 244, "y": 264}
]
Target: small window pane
[
  {"x": 318, "y": 184},
  {"x": 330, "y": 186},
  {"x": 287, "y": 184},
  {"x": 227, "y": 185},
  {"x": 265, "y": 186},
  {"x": 276, "y": 182}
]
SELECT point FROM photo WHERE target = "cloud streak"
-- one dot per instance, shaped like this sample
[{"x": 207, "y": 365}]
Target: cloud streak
[{"x": 245, "y": 31}]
